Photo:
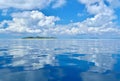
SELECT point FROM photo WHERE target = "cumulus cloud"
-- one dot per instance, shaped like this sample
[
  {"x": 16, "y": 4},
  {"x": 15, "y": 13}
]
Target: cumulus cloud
[
  {"x": 96, "y": 6},
  {"x": 30, "y": 4},
  {"x": 37, "y": 22},
  {"x": 80, "y": 15},
  {"x": 99, "y": 20},
  {"x": 102, "y": 21},
  {"x": 59, "y": 3},
  {"x": 113, "y": 3},
  {"x": 24, "y": 4},
  {"x": 28, "y": 21},
  {"x": 80, "y": 28}
]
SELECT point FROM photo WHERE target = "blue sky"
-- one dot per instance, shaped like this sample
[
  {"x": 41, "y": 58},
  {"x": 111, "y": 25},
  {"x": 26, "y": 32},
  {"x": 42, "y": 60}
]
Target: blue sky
[{"x": 60, "y": 18}]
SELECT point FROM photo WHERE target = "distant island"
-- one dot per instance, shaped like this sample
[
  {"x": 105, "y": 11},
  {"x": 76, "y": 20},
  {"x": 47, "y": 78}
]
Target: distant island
[{"x": 39, "y": 37}]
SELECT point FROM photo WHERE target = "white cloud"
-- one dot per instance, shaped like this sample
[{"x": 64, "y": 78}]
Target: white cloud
[
  {"x": 114, "y": 3},
  {"x": 79, "y": 28},
  {"x": 30, "y": 4},
  {"x": 4, "y": 12},
  {"x": 96, "y": 6},
  {"x": 29, "y": 21},
  {"x": 99, "y": 20},
  {"x": 80, "y": 14},
  {"x": 59, "y": 3},
  {"x": 102, "y": 21},
  {"x": 24, "y": 4},
  {"x": 36, "y": 22}
]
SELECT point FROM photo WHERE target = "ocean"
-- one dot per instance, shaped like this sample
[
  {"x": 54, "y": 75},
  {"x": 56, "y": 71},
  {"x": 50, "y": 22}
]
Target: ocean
[{"x": 60, "y": 60}]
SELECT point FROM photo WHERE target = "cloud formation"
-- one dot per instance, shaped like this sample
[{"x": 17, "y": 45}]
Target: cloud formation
[
  {"x": 29, "y": 22},
  {"x": 35, "y": 22},
  {"x": 113, "y": 3},
  {"x": 59, "y": 3},
  {"x": 96, "y": 6},
  {"x": 30, "y": 4}
]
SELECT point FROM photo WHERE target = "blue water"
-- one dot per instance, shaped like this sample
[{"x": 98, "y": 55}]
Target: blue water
[{"x": 59, "y": 60}]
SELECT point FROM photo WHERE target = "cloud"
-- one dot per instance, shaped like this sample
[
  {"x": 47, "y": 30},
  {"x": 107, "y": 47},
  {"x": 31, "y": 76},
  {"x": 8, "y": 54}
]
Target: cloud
[
  {"x": 79, "y": 28},
  {"x": 35, "y": 22},
  {"x": 100, "y": 23},
  {"x": 59, "y": 3},
  {"x": 4, "y": 12},
  {"x": 99, "y": 20},
  {"x": 96, "y": 6},
  {"x": 30, "y": 4},
  {"x": 24, "y": 4},
  {"x": 113, "y": 3},
  {"x": 80, "y": 14},
  {"x": 28, "y": 21}
]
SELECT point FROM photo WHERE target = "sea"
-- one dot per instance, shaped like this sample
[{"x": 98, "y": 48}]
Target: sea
[{"x": 60, "y": 60}]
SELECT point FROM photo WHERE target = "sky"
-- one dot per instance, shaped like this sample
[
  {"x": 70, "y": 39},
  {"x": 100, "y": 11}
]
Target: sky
[{"x": 60, "y": 18}]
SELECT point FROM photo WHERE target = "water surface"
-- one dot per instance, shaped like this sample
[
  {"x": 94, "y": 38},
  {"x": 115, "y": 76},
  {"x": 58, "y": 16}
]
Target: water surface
[{"x": 59, "y": 60}]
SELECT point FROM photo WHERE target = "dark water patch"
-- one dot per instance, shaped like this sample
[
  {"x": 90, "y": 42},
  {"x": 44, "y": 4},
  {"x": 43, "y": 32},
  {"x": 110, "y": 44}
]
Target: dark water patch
[
  {"x": 3, "y": 49},
  {"x": 59, "y": 74}
]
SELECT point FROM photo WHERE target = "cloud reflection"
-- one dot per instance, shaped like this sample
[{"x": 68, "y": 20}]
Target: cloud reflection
[
  {"x": 35, "y": 54},
  {"x": 58, "y": 60}
]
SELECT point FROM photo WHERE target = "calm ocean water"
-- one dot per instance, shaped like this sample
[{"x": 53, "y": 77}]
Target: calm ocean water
[{"x": 59, "y": 60}]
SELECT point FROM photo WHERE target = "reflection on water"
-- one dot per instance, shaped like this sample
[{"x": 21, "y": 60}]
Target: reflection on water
[{"x": 59, "y": 60}]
